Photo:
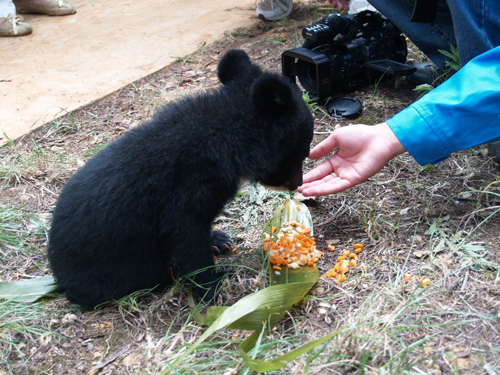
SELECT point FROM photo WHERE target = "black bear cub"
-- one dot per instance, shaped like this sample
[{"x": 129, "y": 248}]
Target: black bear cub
[{"x": 142, "y": 208}]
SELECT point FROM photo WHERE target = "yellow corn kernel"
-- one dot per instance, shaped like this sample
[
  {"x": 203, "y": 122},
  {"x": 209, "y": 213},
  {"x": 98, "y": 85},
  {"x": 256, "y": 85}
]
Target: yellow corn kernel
[{"x": 425, "y": 282}]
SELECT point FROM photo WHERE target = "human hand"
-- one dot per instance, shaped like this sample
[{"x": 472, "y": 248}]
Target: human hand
[
  {"x": 340, "y": 4},
  {"x": 362, "y": 151}
]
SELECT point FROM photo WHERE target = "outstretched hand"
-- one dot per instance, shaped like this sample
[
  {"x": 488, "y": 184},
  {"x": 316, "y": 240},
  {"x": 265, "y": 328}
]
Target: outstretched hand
[{"x": 362, "y": 151}]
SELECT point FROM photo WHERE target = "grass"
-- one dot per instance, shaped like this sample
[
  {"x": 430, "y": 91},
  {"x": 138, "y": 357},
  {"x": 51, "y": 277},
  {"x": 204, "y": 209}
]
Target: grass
[
  {"x": 440, "y": 222},
  {"x": 21, "y": 235}
]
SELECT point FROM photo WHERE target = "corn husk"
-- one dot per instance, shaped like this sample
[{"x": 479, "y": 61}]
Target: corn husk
[
  {"x": 260, "y": 311},
  {"x": 28, "y": 291}
]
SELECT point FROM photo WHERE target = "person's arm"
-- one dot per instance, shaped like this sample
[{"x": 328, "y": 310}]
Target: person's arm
[{"x": 462, "y": 112}]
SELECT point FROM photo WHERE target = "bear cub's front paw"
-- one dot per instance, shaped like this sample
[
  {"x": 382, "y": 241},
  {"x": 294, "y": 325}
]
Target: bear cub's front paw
[{"x": 221, "y": 242}]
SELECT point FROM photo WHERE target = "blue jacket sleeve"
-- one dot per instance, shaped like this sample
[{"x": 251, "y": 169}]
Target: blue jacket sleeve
[{"x": 462, "y": 112}]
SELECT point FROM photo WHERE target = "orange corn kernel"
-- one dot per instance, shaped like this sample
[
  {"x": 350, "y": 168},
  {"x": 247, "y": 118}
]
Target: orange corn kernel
[
  {"x": 377, "y": 259},
  {"x": 274, "y": 229},
  {"x": 344, "y": 267},
  {"x": 358, "y": 246},
  {"x": 331, "y": 248},
  {"x": 277, "y": 268}
]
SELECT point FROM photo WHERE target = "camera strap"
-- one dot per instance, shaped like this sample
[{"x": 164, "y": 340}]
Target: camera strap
[{"x": 424, "y": 11}]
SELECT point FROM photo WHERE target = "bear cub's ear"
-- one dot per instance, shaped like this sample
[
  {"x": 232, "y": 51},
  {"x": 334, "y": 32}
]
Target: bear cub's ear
[
  {"x": 234, "y": 65},
  {"x": 272, "y": 95}
]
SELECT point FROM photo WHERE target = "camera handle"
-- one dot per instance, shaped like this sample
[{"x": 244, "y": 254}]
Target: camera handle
[{"x": 391, "y": 67}]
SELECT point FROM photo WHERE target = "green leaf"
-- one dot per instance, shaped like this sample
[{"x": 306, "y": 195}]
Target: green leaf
[
  {"x": 28, "y": 290},
  {"x": 425, "y": 87}
]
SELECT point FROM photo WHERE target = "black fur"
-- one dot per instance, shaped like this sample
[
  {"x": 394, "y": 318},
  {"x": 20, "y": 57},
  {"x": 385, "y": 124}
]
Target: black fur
[{"x": 144, "y": 205}]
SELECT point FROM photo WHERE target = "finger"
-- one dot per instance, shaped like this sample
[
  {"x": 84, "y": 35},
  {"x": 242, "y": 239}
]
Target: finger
[
  {"x": 318, "y": 182},
  {"x": 334, "y": 186},
  {"x": 324, "y": 147},
  {"x": 319, "y": 172}
]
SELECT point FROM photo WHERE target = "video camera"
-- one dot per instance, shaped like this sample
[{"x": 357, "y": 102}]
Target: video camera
[{"x": 344, "y": 53}]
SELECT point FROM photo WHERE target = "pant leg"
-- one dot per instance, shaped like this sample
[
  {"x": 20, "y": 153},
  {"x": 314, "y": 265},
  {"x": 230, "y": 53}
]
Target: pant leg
[
  {"x": 477, "y": 26},
  {"x": 7, "y": 7},
  {"x": 472, "y": 25},
  {"x": 428, "y": 37}
]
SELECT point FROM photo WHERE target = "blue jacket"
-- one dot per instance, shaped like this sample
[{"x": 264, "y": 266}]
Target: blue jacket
[{"x": 462, "y": 112}]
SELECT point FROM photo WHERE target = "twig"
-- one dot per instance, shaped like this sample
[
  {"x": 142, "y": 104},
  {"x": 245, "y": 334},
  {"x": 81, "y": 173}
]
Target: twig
[{"x": 113, "y": 357}]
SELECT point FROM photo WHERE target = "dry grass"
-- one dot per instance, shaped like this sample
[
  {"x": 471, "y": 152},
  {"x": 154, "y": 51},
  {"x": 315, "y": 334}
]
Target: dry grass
[{"x": 440, "y": 222}]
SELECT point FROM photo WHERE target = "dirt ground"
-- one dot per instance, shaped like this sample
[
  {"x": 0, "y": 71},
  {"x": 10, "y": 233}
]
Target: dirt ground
[
  {"x": 69, "y": 62},
  {"x": 437, "y": 222}
]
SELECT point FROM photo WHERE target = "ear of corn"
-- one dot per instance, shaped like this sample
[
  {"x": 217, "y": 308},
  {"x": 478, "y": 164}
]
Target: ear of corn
[
  {"x": 288, "y": 240},
  {"x": 290, "y": 211}
]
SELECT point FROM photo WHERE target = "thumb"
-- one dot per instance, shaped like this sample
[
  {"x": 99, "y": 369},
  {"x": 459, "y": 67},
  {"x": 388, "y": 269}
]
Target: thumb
[{"x": 324, "y": 147}]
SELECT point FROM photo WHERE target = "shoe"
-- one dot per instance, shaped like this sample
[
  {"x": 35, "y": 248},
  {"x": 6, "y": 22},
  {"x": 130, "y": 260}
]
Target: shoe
[
  {"x": 50, "y": 8},
  {"x": 494, "y": 151},
  {"x": 274, "y": 9},
  {"x": 427, "y": 73},
  {"x": 14, "y": 26}
]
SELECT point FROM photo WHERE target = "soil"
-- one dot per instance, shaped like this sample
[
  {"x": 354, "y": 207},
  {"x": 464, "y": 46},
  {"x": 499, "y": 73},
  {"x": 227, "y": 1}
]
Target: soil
[{"x": 401, "y": 215}]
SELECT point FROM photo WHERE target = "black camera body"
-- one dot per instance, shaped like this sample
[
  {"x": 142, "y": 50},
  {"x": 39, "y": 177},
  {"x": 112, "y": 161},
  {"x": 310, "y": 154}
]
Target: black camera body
[{"x": 344, "y": 53}]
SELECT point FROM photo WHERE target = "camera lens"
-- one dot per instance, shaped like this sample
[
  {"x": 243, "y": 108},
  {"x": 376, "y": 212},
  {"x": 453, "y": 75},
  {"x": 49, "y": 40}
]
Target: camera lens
[{"x": 307, "y": 76}]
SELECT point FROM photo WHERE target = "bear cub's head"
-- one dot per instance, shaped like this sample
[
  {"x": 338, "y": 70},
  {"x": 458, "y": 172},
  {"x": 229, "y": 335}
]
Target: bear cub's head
[{"x": 282, "y": 124}]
